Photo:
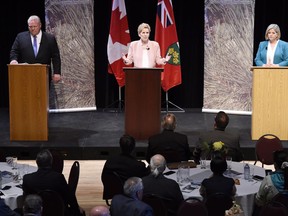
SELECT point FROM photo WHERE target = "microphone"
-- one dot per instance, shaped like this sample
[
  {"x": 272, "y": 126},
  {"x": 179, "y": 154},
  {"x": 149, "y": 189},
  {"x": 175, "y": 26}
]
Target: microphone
[
  {"x": 266, "y": 48},
  {"x": 147, "y": 48}
]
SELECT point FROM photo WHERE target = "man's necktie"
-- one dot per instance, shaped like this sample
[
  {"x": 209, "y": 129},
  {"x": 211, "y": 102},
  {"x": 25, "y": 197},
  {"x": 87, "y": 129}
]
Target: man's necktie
[{"x": 35, "y": 45}]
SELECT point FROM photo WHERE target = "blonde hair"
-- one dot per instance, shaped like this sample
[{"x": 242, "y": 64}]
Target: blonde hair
[
  {"x": 142, "y": 26},
  {"x": 276, "y": 28}
]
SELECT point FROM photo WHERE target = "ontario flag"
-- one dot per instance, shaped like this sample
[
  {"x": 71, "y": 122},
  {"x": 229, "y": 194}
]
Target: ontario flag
[
  {"x": 166, "y": 36},
  {"x": 118, "y": 41}
]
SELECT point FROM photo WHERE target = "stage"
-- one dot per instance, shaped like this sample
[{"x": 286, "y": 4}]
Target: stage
[{"x": 94, "y": 135}]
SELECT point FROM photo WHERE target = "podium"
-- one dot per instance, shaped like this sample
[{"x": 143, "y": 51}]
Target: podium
[
  {"x": 142, "y": 102},
  {"x": 269, "y": 102},
  {"x": 28, "y": 102}
]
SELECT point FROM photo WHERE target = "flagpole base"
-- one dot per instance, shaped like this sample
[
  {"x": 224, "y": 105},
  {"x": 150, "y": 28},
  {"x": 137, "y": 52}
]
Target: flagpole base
[
  {"x": 167, "y": 102},
  {"x": 120, "y": 104}
]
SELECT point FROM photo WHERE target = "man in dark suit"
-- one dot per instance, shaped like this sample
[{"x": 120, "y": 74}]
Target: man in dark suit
[
  {"x": 230, "y": 139},
  {"x": 125, "y": 165},
  {"x": 156, "y": 183},
  {"x": 130, "y": 203},
  {"x": 169, "y": 142},
  {"x": 42, "y": 50},
  {"x": 45, "y": 178}
]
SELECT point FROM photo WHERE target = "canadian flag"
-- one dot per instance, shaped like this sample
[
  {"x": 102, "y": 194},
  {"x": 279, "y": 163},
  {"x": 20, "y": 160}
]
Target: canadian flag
[
  {"x": 118, "y": 41},
  {"x": 166, "y": 36}
]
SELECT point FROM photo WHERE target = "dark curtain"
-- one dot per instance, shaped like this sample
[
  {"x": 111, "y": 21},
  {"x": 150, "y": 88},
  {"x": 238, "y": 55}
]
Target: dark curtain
[{"x": 190, "y": 27}]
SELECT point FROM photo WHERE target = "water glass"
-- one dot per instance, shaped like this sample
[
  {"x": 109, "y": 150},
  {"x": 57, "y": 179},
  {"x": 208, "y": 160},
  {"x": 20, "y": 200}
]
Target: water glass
[
  {"x": 14, "y": 162},
  {"x": 251, "y": 174},
  {"x": 229, "y": 162},
  {"x": 203, "y": 162},
  {"x": 183, "y": 174}
]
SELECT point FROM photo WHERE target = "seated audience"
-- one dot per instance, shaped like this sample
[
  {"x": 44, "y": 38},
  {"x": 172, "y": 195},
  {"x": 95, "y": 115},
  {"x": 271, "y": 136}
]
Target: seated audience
[
  {"x": 125, "y": 164},
  {"x": 130, "y": 203},
  {"x": 100, "y": 211},
  {"x": 169, "y": 140},
  {"x": 156, "y": 183},
  {"x": 274, "y": 183},
  {"x": 218, "y": 183},
  {"x": 45, "y": 178},
  {"x": 32, "y": 205},
  {"x": 230, "y": 139},
  {"x": 5, "y": 210}
]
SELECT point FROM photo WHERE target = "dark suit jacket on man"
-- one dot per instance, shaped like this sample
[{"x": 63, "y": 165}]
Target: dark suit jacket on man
[
  {"x": 166, "y": 188},
  {"x": 48, "y": 179},
  {"x": 230, "y": 139},
  {"x": 168, "y": 139},
  {"x": 126, "y": 166},
  {"x": 124, "y": 205},
  {"x": 22, "y": 50}
]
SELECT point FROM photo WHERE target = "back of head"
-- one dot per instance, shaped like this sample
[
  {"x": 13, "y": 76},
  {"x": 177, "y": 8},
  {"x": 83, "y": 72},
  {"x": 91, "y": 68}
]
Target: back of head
[
  {"x": 32, "y": 205},
  {"x": 218, "y": 165},
  {"x": 279, "y": 157},
  {"x": 127, "y": 144},
  {"x": 44, "y": 159},
  {"x": 169, "y": 122},
  {"x": 221, "y": 120},
  {"x": 132, "y": 186},
  {"x": 157, "y": 164},
  {"x": 100, "y": 211}
]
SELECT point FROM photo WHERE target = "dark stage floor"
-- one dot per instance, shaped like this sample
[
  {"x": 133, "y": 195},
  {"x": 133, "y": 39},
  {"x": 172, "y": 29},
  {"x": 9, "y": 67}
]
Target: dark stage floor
[{"x": 92, "y": 135}]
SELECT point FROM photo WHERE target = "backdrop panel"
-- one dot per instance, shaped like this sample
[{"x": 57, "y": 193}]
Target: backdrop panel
[
  {"x": 229, "y": 28},
  {"x": 72, "y": 22}
]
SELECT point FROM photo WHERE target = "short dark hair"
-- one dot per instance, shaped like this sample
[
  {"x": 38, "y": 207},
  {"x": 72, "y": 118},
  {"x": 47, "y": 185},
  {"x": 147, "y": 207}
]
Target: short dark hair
[
  {"x": 221, "y": 120},
  {"x": 279, "y": 157},
  {"x": 127, "y": 144},
  {"x": 32, "y": 204},
  {"x": 44, "y": 159},
  {"x": 218, "y": 165}
]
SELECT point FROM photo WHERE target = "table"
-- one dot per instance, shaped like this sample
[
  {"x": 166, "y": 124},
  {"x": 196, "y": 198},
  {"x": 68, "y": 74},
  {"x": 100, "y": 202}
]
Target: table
[
  {"x": 245, "y": 191},
  {"x": 12, "y": 196}
]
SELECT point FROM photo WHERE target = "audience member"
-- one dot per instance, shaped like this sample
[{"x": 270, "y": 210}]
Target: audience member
[
  {"x": 100, "y": 211},
  {"x": 156, "y": 183},
  {"x": 5, "y": 210},
  {"x": 230, "y": 139},
  {"x": 32, "y": 205},
  {"x": 125, "y": 164},
  {"x": 218, "y": 183},
  {"x": 169, "y": 140},
  {"x": 45, "y": 178},
  {"x": 274, "y": 183},
  {"x": 130, "y": 204}
]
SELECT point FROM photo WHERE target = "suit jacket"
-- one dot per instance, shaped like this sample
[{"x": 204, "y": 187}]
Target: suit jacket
[
  {"x": 124, "y": 205},
  {"x": 22, "y": 50},
  {"x": 168, "y": 139},
  {"x": 135, "y": 53},
  {"x": 48, "y": 179},
  {"x": 280, "y": 56},
  {"x": 166, "y": 188},
  {"x": 126, "y": 166},
  {"x": 231, "y": 141}
]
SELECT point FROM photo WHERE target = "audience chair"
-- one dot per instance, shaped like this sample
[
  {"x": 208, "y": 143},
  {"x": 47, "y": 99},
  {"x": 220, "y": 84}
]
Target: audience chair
[
  {"x": 74, "y": 176},
  {"x": 112, "y": 185},
  {"x": 157, "y": 203},
  {"x": 265, "y": 146},
  {"x": 192, "y": 206},
  {"x": 58, "y": 161},
  {"x": 274, "y": 208},
  {"x": 53, "y": 203},
  {"x": 217, "y": 203}
]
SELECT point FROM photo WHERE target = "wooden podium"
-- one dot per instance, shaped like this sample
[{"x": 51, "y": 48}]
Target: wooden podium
[
  {"x": 142, "y": 102},
  {"x": 29, "y": 101},
  {"x": 269, "y": 102}
]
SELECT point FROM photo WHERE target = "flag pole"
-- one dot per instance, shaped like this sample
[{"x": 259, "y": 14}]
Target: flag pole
[
  {"x": 120, "y": 103},
  {"x": 167, "y": 102}
]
